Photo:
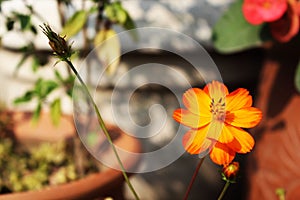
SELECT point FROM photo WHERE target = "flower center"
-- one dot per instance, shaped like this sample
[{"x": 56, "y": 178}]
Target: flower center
[{"x": 217, "y": 109}]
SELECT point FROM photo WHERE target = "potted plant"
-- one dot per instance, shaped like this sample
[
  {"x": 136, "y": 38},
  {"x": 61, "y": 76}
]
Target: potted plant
[
  {"x": 90, "y": 23},
  {"x": 58, "y": 125},
  {"x": 49, "y": 169},
  {"x": 274, "y": 27}
]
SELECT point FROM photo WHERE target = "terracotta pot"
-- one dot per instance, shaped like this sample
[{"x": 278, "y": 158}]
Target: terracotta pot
[
  {"x": 107, "y": 183},
  {"x": 275, "y": 161},
  {"x": 26, "y": 131}
]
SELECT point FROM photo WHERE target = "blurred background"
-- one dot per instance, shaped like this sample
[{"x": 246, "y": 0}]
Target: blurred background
[{"x": 27, "y": 64}]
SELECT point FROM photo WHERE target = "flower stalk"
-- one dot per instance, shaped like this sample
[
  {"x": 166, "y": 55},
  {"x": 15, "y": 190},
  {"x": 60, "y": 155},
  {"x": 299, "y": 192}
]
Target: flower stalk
[
  {"x": 226, "y": 186},
  {"x": 64, "y": 52},
  {"x": 193, "y": 179},
  {"x": 229, "y": 174}
]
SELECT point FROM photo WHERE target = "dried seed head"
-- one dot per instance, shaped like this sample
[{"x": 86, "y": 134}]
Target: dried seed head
[{"x": 57, "y": 43}]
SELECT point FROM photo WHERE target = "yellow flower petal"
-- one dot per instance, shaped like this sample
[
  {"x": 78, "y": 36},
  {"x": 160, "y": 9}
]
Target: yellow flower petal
[
  {"x": 222, "y": 154},
  {"x": 238, "y": 99},
  {"x": 246, "y": 118},
  {"x": 216, "y": 90},
  {"x": 189, "y": 119},
  {"x": 192, "y": 141},
  {"x": 243, "y": 142},
  {"x": 197, "y": 101},
  {"x": 226, "y": 135},
  {"x": 215, "y": 130}
]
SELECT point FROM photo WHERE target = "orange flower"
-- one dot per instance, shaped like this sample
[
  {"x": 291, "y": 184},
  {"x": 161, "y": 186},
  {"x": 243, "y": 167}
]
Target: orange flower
[{"x": 215, "y": 118}]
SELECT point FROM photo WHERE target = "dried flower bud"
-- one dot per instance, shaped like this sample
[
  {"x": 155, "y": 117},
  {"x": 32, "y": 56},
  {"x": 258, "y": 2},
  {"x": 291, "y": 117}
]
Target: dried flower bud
[
  {"x": 230, "y": 171},
  {"x": 57, "y": 43}
]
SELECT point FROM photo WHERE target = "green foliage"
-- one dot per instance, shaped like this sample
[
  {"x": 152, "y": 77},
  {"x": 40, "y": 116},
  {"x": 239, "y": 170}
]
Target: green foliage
[
  {"x": 117, "y": 14},
  {"x": 10, "y": 24},
  {"x": 37, "y": 112},
  {"x": 39, "y": 166},
  {"x": 35, "y": 63},
  {"x": 24, "y": 21},
  {"x": 75, "y": 24},
  {"x": 49, "y": 153},
  {"x": 40, "y": 92},
  {"x": 44, "y": 87},
  {"x": 100, "y": 15},
  {"x": 108, "y": 49},
  {"x": 25, "y": 98},
  {"x": 67, "y": 82},
  {"x": 55, "y": 111},
  {"x": 297, "y": 77},
  {"x": 233, "y": 33}
]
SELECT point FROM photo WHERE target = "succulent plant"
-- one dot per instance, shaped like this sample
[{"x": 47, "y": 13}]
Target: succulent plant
[{"x": 37, "y": 167}]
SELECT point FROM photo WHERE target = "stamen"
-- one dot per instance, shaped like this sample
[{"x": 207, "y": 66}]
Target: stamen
[
  {"x": 218, "y": 109},
  {"x": 220, "y": 100}
]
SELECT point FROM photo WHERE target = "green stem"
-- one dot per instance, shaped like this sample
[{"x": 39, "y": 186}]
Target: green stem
[
  {"x": 280, "y": 192},
  {"x": 224, "y": 190},
  {"x": 103, "y": 127},
  {"x": 193, "y": 179}
]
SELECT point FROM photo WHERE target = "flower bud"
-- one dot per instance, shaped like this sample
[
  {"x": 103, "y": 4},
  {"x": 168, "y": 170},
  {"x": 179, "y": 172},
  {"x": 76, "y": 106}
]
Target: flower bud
[
  {"x": 57, "y": 43},
  {"x": 230, "y": 171}
]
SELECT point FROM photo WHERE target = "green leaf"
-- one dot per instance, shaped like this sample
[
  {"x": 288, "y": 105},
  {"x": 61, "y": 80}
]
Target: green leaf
[
  {"x": 21, "y": 62},
  {"x": 68, "y": 83},
  {"x": 24, "y": 21},
  {"x": 233, "y": 33},
  {"x": 33, "y": 29},
  {"x": 35, "y": 63},
  {"x": 108, "y": 49},
  {"x": 25, "y": 98},
  {"x": 37, "y": 112},
  {"x": 58, "y": 76},
  {"x": 130, "y": 25},
  {"x": 9, "y": 24},
  {"x": 297, "y": 77},
  {"x": 44, "y": 87},
  {"x": 75, "y": 24},
  {"x": 115, "y": 13},
  {"x": 121, "y": 14},
  {"x": 55, "y": 111},
  {"x": 93, "y": 9}
]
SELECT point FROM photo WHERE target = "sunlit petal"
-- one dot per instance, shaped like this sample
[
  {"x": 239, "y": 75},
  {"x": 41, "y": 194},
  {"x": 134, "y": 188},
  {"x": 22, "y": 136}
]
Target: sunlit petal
[
  {"x": 222, "y": 154},
  {"x": 197, "y": 101},
  {"x": 246, "y": 118},
  {"x": 226, "y": 135},
  {"x": 189, "y": 119},
  {"x": 243, "y": 142},
  {"x": 193, "y": 140},
  {"x": 215, "y": 130},
  {"x": 238, "y": 99},
  {"x": 216, "y": 90}
]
